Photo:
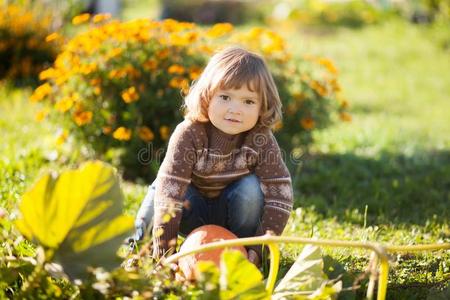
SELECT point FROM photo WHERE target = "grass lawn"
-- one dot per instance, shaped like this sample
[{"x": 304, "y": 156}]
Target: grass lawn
[{"x": 383, "y": 177}]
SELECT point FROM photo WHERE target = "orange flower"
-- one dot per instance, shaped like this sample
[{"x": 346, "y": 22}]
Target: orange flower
[
  {"x": 82, "y": 117},
  {"x": 130, "y": 95},
  {"x": 97, "y": 90},
  {"x": 278, "y": 126},
  {"x": 299, "y": 96},
  {"x": 80, "y": 19},
  {"x": 41, "y": 92},
  {"x": 40, "y": 115},
  {"x": 64, "y": 104},
  {"x": 101, "y": 17},
  {"x": 48, "y": 73},
  {"x": 219, "y": 30},
  {"x": 150, "y": 64},
  {"x": 146, "y": 134},
  {"x": 113, "y": 53},
  {"x": 319, "y": 88},
  {"x": 122, "y": 134},
  {"x": 162, "y": 54},
  {"x": 62, "y": 137},
  {"x": 194, "y": 72},
  {"x": 179, "y": 82},
  {"x": 52, "y": 37},
  {"x": 335, "y": 85},
  {"x": 107, "y": 130},
  {"x": 344, "y": 104},
  {"x": 307, "y": 123},
  {"x": 176, "y": 69},
  {"x": 346, "y": 117},
  {"x": 164, "y": 132},
  {"x": 328, "y": 64}
]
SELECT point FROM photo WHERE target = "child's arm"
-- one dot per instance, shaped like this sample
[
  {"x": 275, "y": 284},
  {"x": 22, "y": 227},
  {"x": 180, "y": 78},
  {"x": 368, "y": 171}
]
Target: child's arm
[
  {"x": 172, "y": 181},
  {"x": 276, "y": 185}
]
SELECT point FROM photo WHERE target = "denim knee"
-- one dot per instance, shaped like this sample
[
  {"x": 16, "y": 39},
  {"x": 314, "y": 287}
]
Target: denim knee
[{"x": 245, "y": 205}]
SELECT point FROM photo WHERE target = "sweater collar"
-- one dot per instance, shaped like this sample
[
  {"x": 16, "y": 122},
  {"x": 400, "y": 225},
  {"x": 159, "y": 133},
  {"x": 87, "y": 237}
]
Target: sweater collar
[{"x": 221, "y": 141}]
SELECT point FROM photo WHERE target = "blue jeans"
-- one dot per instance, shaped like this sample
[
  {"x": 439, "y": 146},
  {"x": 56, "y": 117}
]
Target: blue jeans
[{"x": 238, "y": 208}]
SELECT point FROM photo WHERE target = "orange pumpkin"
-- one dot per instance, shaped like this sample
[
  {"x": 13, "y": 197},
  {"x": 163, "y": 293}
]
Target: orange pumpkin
[{"x": 200, "y": 236}]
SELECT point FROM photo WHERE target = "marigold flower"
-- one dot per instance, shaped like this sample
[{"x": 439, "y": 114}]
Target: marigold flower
[
  {"x": 62, "y": 137},
  {"x": 307, "y": 123},
  {"x": 179, "y": 82},
  {"x": 64, "y": 104},
  {"x": 195, "y": 72},
  {"x": 346, "y": 117},
  {"x": 335, "y": 85},
  {"x": 41, "y": 92},
  {"x": 328, "y": 64},
  {"x": 82, "y": 118},
  {"x": 122, "y": 134},
  {"x": 101, "y": 17},
  {"x": 150, "y": 64},
  {"x": 164, "y": 132},
  {"x": 130, "y": 95},
  {"x": 176, "y": 69},
  {"x": 97, "y": 90},
  {"x": 219, "y": 30},
  {"x": 274, "y": 43},
  {"x": 162, "y": 54},
  {"x": 95, "y": 81},
  {"x": 40, "y": 115},
  {"x": 80, "y": 19},
  {"x": 146, "y": 134},
  {"x": 318, "y": 87},
  {"x": 344, "y": 104},
  {"x": 278, "y": 126},
  {"x": 48, "y": 73},
  {"x": 113, "y": 53},
  {"x": 52, "y": 37},
  {"x": 106, "y": 130}
]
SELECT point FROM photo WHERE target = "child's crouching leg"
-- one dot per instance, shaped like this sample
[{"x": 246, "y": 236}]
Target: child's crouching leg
[{"x": 245, "y": 205}]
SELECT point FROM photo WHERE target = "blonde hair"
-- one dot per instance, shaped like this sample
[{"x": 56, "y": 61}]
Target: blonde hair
[{"x": 230, "y": 68}]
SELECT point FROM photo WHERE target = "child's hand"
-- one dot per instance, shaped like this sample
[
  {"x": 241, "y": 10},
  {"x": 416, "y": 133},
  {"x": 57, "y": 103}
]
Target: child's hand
[{"x": 253, "y": 257}]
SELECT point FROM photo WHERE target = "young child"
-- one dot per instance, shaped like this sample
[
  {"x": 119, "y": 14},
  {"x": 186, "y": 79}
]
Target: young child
[{"x": 223, "y": 165}]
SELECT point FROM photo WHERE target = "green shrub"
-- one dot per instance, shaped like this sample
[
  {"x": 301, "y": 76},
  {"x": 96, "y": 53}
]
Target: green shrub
[
  {"x": 24, "y": 52},
  {"x": 352, "y": 13},
  {"x": 117, "y": 85}
]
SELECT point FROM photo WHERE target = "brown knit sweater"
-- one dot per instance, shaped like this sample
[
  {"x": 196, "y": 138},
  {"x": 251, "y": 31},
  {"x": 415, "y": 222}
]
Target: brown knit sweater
[{"x": 210, "y": 159}]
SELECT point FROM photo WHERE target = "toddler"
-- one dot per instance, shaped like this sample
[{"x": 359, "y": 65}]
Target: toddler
[{"x": 223, "y": 165}]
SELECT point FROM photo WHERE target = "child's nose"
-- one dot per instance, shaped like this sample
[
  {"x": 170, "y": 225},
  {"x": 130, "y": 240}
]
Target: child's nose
[{"x": 234, "y": 108}]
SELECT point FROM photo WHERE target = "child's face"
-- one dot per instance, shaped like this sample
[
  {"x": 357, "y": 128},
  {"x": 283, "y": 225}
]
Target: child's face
[{"x": 234, "y": 110}]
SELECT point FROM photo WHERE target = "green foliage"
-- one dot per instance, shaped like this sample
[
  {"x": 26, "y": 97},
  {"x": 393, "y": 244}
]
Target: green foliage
[
  {"x": 77, "y": 217},
  {"x": 240, "y": 278},
  {"x": 24, "y": 52},
  {"x": 353, "y": 13},
  {"x": 306, "y": 279}
]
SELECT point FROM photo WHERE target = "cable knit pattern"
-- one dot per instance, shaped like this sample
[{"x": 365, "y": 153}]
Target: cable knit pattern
[{"x": 210, "y": 159}]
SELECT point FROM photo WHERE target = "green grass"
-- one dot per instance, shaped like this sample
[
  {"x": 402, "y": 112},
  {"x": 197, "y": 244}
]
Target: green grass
[{"x": 392, "y": 160}]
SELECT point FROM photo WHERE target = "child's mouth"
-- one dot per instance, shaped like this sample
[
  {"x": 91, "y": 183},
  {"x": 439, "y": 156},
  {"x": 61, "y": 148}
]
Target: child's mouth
[{"x": 233, "y": 120}]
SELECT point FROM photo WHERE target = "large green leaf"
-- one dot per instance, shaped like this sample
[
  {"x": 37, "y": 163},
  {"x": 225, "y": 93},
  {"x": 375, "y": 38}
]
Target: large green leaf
[
  {"x": 239, "y": 278},
  {"x": 78, "y": 215},
  {"x": 306, "y": 279}
]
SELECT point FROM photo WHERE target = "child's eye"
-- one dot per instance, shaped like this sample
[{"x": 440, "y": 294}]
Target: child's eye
[
  {"x": 249, "y": 102},
  {"x": 224, "y": 97}
]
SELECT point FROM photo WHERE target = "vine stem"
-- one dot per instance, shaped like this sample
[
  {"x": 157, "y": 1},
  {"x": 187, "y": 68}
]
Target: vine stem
[{"x": 271, "y": 241}]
